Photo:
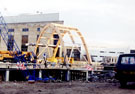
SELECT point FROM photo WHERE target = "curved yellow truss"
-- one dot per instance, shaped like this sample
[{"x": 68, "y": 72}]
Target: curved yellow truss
[{"x": 61, "y": 30}]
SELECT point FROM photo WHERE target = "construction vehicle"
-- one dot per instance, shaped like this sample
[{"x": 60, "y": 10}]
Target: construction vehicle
[
  {"x": 14, "y": 54},
  {"x": 53, "y": 58},
  {"x": 9, "y": 56}
]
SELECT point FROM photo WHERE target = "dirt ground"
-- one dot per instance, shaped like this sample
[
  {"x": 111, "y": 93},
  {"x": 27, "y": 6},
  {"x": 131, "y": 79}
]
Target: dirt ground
[{"x": 65, "y": 88}]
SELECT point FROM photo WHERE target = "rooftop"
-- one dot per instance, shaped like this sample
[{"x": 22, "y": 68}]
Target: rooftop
[{"x": 24, "y": 18}]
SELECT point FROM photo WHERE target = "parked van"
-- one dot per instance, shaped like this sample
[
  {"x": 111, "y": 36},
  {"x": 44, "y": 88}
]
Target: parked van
[{"x": 125, "y": 69}]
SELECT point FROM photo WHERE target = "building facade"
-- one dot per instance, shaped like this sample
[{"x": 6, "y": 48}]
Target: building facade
[
  {"x": 26, "y": 29},
  {"x": 107, "y": 55}
]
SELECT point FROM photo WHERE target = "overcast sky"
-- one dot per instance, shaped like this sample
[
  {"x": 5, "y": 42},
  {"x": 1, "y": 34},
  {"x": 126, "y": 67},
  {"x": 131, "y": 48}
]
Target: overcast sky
[{"x": 102, "y": 22}]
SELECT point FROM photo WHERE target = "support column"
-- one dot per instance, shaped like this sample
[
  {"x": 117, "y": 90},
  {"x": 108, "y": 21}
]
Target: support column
[
  {"x": 7, "y": 75},
  {"x": 40, "y": 73},
  {"x": 61, "y": 75},
  {"x": 87, "y": 75},
  {"x": 68, "y": 75}
]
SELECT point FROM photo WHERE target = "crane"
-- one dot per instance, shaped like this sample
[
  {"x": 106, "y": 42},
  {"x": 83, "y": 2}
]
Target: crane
[{"x": 14, "y": 54}]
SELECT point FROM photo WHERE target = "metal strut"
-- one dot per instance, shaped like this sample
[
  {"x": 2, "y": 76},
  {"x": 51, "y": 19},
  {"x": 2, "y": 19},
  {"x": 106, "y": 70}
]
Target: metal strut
[{"x": 6, "y": 35}]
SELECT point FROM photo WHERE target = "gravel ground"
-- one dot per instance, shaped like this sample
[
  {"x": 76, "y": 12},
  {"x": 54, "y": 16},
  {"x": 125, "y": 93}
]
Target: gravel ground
[{"x": 64, "y": 88}]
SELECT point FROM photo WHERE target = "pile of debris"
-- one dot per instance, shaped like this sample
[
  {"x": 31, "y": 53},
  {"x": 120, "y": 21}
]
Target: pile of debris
[{"x": 103, "y": 77}]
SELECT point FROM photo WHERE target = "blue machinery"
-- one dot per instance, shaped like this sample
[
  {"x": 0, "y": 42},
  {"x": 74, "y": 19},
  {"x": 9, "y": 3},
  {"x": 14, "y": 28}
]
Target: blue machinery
[
  {"x": 14, "y": 49},
  {"x": 5, "y": 35}
]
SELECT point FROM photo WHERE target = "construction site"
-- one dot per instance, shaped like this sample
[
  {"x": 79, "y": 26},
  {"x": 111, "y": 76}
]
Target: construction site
[
  {"x": 49, "y": 57},
  {"x": 67, "y": 47},
  {"x": 46, "y": 56}
]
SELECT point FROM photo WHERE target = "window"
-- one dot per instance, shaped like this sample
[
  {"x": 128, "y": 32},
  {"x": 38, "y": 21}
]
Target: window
[
  {"x": 10, "y": 30},
  {"x": 102, "y": 56},
  {"x": 37, "y": 47},
  {"x": 55, "y": 41},
  {"x": 55, "y": 36},
  {"x": 76, "y": 54},
  {"x": 111, "y": 52},
  {"x": 94, "y": 56},
  {"x": 38, "y": 29},
  {"x": 37, "y": 37},
  {"x": 132, "y": 51},
  {"x": 128, "y": 60},
  {"x": 25, "y": 29},
  {"x": 121, "y": 52},
  {"x": 24, "y": 41},
  {"x": 68, "y": 52},
  {"x": 10, "y": 43},
  {"x": 102, "y": 51}
]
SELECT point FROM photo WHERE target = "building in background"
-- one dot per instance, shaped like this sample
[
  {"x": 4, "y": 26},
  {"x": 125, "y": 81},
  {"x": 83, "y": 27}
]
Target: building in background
[
  {"x": 99, "y": 54},
  {"x": 108, "y": 55},
  {"x": 26, "y": 29}
]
